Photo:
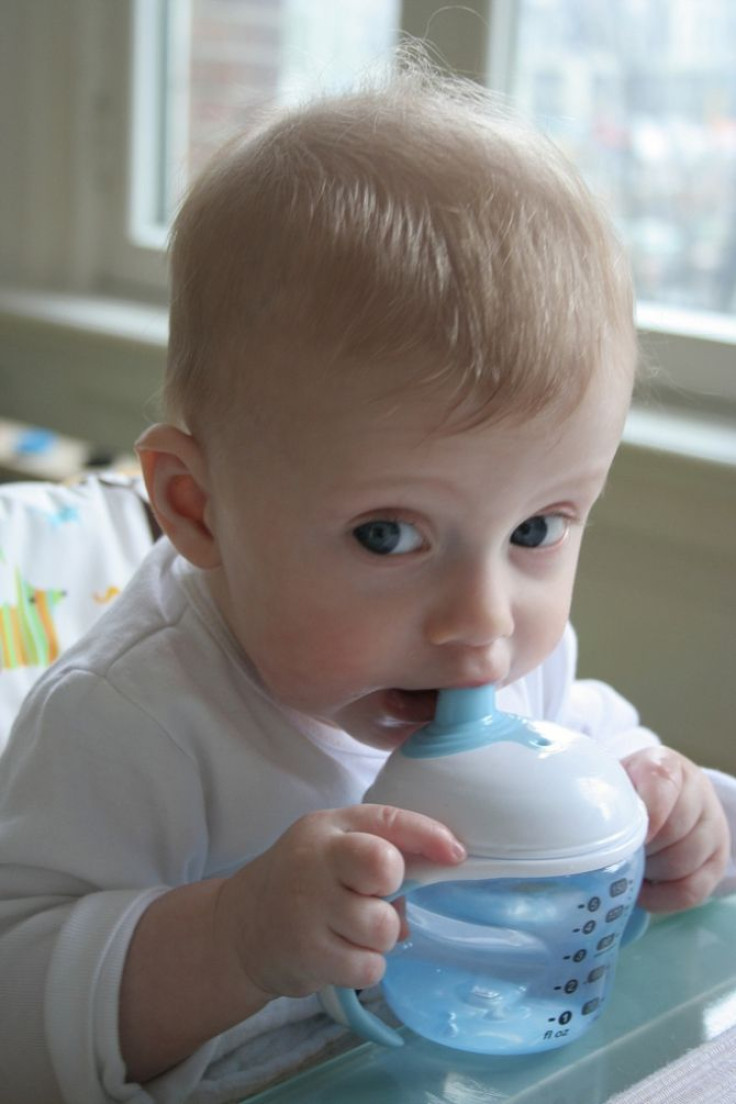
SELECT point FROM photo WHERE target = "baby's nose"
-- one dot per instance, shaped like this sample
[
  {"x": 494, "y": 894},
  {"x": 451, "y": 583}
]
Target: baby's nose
[{"x": 473, "y": 611}]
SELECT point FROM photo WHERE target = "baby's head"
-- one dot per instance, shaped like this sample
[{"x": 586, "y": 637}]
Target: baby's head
[
  {"x": 414, "y": 231},
  {"x": 402, "y": 350}
]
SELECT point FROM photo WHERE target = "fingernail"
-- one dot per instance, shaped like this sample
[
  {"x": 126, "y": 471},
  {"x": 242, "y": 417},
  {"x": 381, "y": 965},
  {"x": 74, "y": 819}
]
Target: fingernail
[{"x": 458, "y": 851}]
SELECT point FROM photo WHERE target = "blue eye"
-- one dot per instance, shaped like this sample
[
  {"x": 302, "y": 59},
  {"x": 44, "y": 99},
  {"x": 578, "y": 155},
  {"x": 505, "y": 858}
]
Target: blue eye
[
  {"x": 388, "y": 538},
  {"x": 541, "y": 531}
]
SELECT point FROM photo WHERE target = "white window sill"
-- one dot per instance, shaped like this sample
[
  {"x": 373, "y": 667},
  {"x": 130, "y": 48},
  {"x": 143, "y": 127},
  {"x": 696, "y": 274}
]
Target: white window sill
[
  {"x": 84, "y": 366},
  {"x": 124, "y": 320},
  {"x": 699, "y": 437}
]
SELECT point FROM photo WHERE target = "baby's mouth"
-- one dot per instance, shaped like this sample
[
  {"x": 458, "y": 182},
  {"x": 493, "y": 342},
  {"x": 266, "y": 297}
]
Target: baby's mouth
[{"x": 413, "y": 707}]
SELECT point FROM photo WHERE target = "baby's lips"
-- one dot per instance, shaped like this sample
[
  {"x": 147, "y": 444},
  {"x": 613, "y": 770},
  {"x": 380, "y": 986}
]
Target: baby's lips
[{"x": 411, "y": 706}]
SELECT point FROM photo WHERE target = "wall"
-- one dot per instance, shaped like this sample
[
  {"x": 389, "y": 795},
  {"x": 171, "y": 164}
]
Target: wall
[{"x": 655, "y": 606}]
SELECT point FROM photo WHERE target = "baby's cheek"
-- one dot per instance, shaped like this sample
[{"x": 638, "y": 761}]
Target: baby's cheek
[
  {"x": 310, "y": 661},
  {"x": 538, "y": 637}
]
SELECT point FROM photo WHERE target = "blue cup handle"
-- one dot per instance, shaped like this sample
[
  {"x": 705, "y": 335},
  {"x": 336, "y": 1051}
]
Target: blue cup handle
[
  {"x": 343, "y": 1004},
  {"x": 345, "y": 1008}
]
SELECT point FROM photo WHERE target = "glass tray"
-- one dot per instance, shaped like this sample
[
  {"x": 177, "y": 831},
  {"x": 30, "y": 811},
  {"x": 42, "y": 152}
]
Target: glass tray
[{"x": 675, "y": 989}]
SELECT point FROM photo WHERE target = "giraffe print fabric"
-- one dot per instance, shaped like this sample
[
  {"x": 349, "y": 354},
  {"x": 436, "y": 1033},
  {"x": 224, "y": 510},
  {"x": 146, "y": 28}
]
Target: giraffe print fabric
[{"x": 66, "y": 552}]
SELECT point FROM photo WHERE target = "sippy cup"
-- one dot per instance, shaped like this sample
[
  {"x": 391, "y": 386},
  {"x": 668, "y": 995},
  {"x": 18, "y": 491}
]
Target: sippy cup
[{"x": 513, "y": 951}]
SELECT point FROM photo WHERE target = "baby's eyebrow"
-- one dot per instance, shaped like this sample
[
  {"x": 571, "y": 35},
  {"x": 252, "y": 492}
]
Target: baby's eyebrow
[{"x": 389, "y": 485}]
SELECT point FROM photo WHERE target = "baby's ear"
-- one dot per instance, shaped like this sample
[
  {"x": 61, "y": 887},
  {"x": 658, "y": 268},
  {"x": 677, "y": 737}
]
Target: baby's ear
[{"x": 175, "y": 473}]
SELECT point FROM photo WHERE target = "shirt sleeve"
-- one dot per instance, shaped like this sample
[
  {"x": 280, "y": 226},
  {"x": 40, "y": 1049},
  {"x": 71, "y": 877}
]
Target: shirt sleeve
[
  {"x": 590, "y": 706},
  {"x": 89, "y": 837}
]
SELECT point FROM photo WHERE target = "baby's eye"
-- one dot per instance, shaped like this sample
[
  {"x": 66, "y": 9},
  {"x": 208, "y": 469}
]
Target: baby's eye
[
  {"x": 388, "y": 538},
  {"x": 541, "y": 531}
]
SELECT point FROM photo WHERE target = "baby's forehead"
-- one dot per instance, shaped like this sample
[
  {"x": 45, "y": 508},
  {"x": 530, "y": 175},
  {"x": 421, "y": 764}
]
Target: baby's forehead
[
  {"x": 334, "y": 402},
  {"x": 352, "y": 459}
]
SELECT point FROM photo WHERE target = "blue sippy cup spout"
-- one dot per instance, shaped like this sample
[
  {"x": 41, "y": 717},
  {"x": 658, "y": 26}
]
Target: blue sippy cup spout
[
  {"x": 466, "y": 719},
  {"x": 457, "y": 707}
]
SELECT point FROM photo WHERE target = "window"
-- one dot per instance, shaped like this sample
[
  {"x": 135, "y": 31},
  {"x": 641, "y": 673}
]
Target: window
[
  {"x": 643, "y": 97},
  {"x": 205, "y": 69},
  {"x": 108, "y": 106}
]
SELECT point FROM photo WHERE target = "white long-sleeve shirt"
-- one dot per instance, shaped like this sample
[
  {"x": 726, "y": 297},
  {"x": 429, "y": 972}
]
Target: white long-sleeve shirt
[{"x": 150, "y": 757}]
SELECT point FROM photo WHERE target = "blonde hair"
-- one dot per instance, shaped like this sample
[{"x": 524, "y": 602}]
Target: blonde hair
[{"x": 414, "y": 223}]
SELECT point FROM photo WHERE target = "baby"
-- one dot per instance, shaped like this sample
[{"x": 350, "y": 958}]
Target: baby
[{"x": 402, "y": 353}]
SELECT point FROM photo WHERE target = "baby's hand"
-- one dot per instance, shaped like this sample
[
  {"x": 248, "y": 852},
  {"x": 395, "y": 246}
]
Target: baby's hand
[
  {"x": 688, "y": 840},
  {"x": 309, "y": 911}
]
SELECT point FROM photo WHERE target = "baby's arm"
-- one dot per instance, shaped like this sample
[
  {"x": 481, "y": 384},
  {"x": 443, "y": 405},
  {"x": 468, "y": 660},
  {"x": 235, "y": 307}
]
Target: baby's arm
[
  {"x": 689, "y": 842},
  {"x": 104, "y": 876},
  {"x": 305, "y": 914}
]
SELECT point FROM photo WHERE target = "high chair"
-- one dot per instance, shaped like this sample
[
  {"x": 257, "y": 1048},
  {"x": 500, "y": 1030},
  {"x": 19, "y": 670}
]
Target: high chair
[{"x": 66, "y": 552}]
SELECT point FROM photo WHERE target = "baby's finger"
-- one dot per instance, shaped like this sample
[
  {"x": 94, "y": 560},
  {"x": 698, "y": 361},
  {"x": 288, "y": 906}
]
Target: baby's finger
[
  {"x": 682, "y": 858},
  {"x": 366, "y": 922},
  {"x": 685, "y": 893},
  {"x": 686, "y": 817},
  {"x": 412, "y": 833},
  {"x": 350, "y": 967},
  {"x": 367, "y": 864},
  {"x": 657, "y": 777}
]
